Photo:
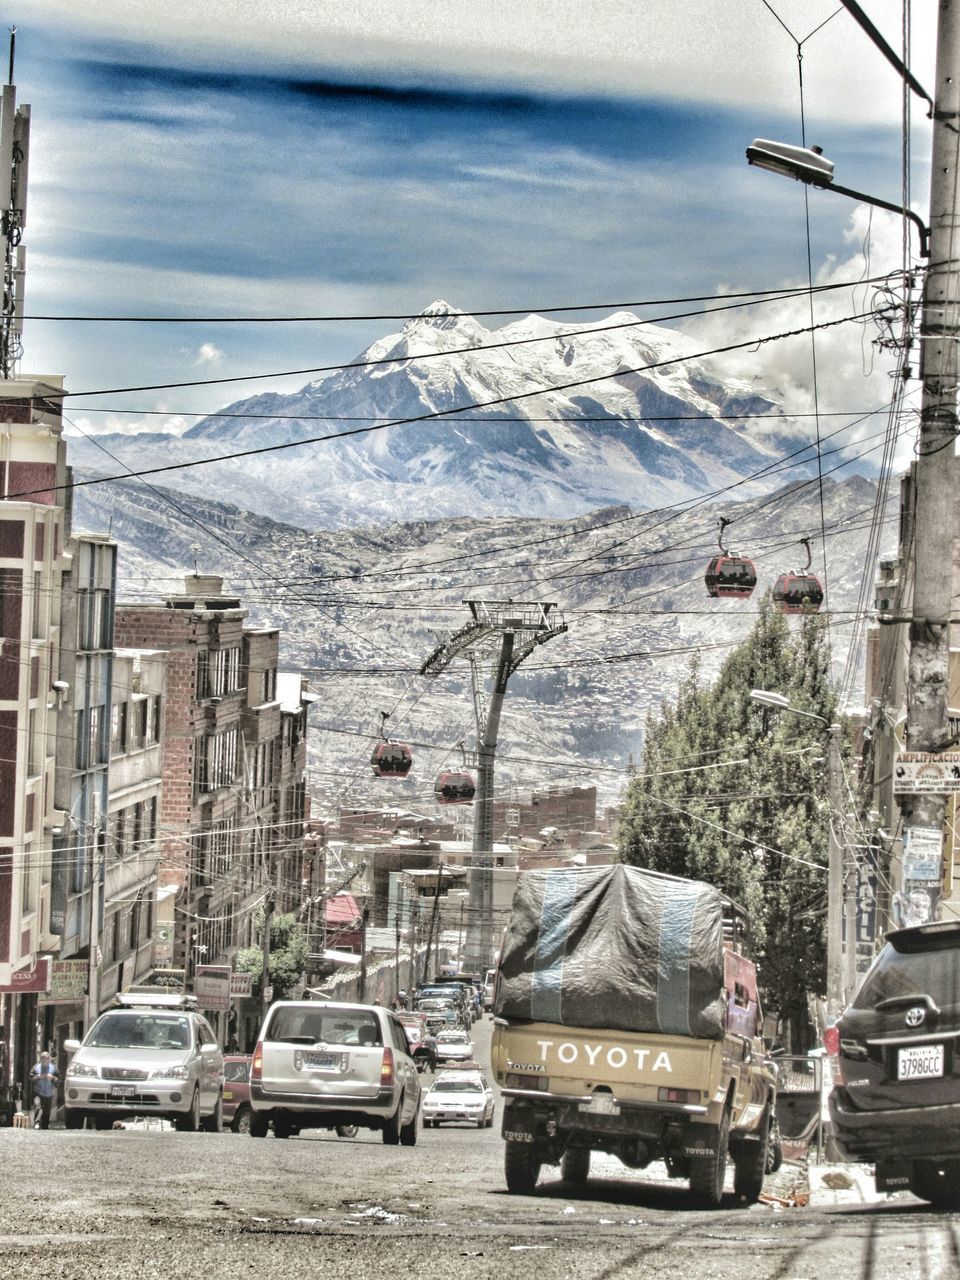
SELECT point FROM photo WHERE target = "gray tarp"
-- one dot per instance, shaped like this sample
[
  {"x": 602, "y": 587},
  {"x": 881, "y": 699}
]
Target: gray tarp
[{"x": 615, "y": 947}]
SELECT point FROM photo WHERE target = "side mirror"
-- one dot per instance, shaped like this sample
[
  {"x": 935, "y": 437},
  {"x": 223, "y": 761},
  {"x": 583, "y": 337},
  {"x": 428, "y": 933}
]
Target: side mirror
[
  {"x": 71, "y": 1046},
  {"x": 208, "y": 1050}
]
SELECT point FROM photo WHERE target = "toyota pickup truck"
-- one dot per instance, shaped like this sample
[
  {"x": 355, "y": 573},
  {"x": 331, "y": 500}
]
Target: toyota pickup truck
[{"x": 627, "y": 1021}]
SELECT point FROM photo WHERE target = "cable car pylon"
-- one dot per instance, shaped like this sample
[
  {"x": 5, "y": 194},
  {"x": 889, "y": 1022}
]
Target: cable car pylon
[{"x": 499, "y": 637}]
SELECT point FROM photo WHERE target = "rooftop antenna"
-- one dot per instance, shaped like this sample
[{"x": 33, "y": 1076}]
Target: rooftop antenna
[{"x": 14, "y": 158}]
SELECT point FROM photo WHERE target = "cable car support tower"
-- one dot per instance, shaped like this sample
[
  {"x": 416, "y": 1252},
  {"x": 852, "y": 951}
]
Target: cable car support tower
[{"x": 500, "y": 635}]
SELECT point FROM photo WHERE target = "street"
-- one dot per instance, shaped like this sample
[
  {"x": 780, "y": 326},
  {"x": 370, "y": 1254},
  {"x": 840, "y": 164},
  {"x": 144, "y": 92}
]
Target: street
[{"x": 143, "y": 1202}]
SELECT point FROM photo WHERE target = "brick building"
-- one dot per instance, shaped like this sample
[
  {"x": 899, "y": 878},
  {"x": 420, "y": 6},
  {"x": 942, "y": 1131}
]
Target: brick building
[{"x": 232, "y": 808}]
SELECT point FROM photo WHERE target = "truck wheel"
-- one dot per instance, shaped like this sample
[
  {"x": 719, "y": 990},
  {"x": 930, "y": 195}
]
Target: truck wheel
[
  {"x": 521, "y": 1166},
  {"x": 282, "y": 1125},
  {"x": 259, "y": 1125},
  {"x": 750, "y": 1163},
  {"x": 575, "y": 1166},
  {"x": 707, "y": 1172}
]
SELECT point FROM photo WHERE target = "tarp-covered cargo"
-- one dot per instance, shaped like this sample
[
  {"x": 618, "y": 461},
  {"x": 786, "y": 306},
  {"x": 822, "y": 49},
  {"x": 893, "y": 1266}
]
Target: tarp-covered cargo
[{"x": 614, "y": 947}]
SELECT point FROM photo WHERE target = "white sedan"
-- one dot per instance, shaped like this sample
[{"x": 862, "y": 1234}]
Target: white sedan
[
  {"x": 459, "y": 1095},
  {"x": 454, "y": 1046}
]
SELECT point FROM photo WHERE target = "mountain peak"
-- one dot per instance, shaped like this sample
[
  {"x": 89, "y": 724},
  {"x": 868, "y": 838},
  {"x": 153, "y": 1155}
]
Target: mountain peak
[{"x": 439, "y": 315}]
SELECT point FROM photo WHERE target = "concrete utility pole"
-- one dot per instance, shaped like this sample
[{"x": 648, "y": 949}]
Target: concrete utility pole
[
  {"x": 835, "y": 871},
  {"x": 506, "y": 632},
  {"x": 927, "y": 677}
]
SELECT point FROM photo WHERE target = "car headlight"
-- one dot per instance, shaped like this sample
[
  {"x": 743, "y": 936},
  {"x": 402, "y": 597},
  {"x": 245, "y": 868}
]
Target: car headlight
[
  {"x": 170, "y": 1073},
  {"x": 82, "y": 1069}
]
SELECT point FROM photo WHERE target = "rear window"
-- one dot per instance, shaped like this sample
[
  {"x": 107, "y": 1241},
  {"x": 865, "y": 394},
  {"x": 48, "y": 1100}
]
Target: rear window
[
  {"x": 931, "y": 970},
  {"x": 236, "y": 1072},
  {"x": 316, "y": 1024}
]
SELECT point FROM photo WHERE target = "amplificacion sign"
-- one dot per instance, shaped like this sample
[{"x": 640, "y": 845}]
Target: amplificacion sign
[{"x": 916, "y": 772}]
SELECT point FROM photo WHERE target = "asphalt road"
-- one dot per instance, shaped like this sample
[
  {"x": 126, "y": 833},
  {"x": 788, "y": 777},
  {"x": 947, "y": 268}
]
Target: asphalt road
[{"x": 144, "y": 1203}]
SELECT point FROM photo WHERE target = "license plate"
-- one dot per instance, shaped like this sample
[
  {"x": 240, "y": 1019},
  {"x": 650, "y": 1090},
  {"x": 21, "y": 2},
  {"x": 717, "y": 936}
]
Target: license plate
[
  {"x": 601, "y": 1104},
  {"x": 920, "y": 1062},
  {"x": 322, "y": 1061},
  {"x": 123, "y": 1091}
]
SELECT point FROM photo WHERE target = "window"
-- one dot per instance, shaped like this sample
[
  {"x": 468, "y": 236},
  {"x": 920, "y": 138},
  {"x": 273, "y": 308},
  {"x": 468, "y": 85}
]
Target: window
[
  {"x": 118, "y": 728},
  {"x": 270, "y": 684},
  {"x": 138, "y": 723},
  {"x": 32, "y": 753},
  {"x": 216, "y": 761},
  {"x": 153, "y": 719},
  {"x": 218, "y": 672},
  {"x": 37, "y": 611}
]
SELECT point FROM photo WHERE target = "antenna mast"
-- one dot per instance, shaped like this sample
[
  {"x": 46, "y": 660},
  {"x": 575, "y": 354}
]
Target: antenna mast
[{"x": 14, "y": 157}]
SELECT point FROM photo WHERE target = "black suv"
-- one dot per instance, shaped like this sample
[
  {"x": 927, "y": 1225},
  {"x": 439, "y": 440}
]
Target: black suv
[{"x": 896, "y": 1100}]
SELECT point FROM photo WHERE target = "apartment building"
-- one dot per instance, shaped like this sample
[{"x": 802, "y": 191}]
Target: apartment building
[{"x": 232, "y": 803}]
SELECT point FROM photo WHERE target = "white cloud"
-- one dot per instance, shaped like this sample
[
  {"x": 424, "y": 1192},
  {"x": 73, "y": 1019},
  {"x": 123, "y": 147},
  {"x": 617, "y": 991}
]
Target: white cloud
[{"x": 208, "y": 354}]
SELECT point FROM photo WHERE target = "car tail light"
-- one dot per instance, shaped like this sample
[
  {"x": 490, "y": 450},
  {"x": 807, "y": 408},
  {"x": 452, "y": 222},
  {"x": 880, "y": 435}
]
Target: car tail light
[
  {"x": 386, "y": 1067},
  {"x": 831, "y": 1042},
  {"x": 256, "y": 1066},
  {"x": 517, "y": 1081},
  {"x": 689, "y": 1097}
]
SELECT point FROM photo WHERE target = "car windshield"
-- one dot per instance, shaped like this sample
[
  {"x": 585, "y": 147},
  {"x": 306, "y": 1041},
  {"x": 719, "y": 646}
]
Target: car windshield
[
  {"x": 452, "y": 1037},
  {"x": 236, "y": 1072},
  {"x": 317, "y": 1025},
  {"x": 457, "y": 1086},
  {"x": 140, "y": 1031},
  {"x": 929, "y": 970}
]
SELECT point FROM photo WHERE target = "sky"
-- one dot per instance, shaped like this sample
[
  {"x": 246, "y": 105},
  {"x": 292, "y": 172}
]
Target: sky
[{"x": 260, "y": 159}]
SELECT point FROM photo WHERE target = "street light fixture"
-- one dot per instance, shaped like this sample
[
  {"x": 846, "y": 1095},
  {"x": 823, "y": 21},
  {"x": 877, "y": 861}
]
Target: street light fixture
[
  {"x": 809, "y": 165},
  {"x": 835, "y": 896}
]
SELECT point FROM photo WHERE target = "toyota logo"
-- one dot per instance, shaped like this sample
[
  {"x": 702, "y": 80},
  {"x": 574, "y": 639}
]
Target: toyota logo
[{"x": 915, "y": 1015}]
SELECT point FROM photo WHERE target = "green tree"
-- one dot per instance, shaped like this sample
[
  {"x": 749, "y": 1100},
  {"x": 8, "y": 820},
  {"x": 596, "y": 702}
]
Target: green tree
[
  {"x": 735, "y": 794},
  {"x": 288, "y": 956}
]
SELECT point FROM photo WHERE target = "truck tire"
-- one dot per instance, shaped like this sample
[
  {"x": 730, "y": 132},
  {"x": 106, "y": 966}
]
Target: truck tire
[
  {"x": 259, "y": 1125},
  {"x": 575, "y": 1166},
  {"x": 707, "y": 1173},
  {"x": 750, "y": 1163},
  {"x": 521, "y": 1167}
]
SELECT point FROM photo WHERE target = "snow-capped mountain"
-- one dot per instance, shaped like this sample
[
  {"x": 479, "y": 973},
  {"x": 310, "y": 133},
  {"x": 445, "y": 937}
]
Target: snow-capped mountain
[{"x": 539, "y": 417}]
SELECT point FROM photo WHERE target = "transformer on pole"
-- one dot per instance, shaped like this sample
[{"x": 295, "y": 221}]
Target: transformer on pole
[{"x": 500, "y": 635}]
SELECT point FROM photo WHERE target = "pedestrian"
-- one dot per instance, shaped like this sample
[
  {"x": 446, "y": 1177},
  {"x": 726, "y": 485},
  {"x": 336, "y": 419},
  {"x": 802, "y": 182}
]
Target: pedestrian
[
  {"x": 45, "y": 1077},
  {"x": 430, "y": 1044}
]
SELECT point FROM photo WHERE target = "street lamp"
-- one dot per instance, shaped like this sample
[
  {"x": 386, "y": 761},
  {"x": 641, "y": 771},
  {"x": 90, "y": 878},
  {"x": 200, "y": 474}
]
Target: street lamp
[
  {"x": 811, "y": 166},
  {"x": 835, "y": 968}
]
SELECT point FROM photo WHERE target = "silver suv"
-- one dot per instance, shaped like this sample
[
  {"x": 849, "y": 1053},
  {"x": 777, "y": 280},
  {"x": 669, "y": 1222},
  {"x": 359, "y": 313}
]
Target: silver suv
[
  {"x": 152, "y": 1059},
  {"x": 320, "y": 1065}
]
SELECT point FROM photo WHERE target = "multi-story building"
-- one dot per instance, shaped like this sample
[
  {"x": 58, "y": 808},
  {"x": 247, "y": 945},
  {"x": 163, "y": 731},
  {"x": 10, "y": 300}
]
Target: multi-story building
[
  {"x": 33, "y": 557},
  {"x": 232, "y": 806}
]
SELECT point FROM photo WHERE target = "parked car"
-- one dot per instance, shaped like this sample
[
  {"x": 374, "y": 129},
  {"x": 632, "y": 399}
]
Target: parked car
[
  {"x": 157, "y": 1056},
  {"x": 463, "y": 1096},
  {"x": 896, "y": 1096},
  {"x": 489, "y": 982},
  {"x": 454, "y": 1046},
  {"x": 329, "y": 1065},
  {"x": 236, "y": 1092}
]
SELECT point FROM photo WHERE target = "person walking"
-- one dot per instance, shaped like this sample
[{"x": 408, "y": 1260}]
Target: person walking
[{"x": 45, "y": 1079}]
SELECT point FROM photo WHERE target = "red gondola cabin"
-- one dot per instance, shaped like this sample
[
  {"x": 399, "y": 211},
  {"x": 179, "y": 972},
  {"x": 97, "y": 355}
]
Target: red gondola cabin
[
  {"x": 730, "y": 576},
  {"x": 798, "y": 593},
  {"x": 454, "y": 788},
  {"x": 391, "y": 760}
]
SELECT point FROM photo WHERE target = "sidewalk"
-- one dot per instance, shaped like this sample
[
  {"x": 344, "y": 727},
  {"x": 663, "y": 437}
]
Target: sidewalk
[{"x": 837, "y": 1184}]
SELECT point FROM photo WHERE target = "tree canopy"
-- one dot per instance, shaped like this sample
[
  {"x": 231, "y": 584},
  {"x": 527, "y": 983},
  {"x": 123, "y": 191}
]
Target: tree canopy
[
  {"x": 736, "y": 794},
  {"x": 288, "y": 957}
]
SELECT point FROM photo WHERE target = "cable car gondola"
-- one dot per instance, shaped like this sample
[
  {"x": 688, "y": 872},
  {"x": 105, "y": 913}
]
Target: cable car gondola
[
  {"x": 391, "y": 760},
  {"x": 799, "y": 591},
  {"x": 454, "y": 788},
  {"x": 729, "y": 575}
]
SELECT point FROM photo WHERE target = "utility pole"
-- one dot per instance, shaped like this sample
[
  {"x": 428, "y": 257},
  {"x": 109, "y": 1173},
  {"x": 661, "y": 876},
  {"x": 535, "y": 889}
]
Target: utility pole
[
  {"x": 266, "y": 990},
  {"x": 835, "y": 1001},
  {"x": 14, "y": 156},
  {"x": 433, "y": 920},
  {"x": 501, "y": 635},
  {"x": 934, "y": 470}
]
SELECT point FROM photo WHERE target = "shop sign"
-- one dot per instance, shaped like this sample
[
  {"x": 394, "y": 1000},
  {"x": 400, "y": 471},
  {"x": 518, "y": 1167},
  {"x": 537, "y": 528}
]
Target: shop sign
[
  {"x": 241, "y": 986},
  {"x": 68, "y": 982},
  {"x": 211, "y": 986},
  {"x": 29, "y": 981}
]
